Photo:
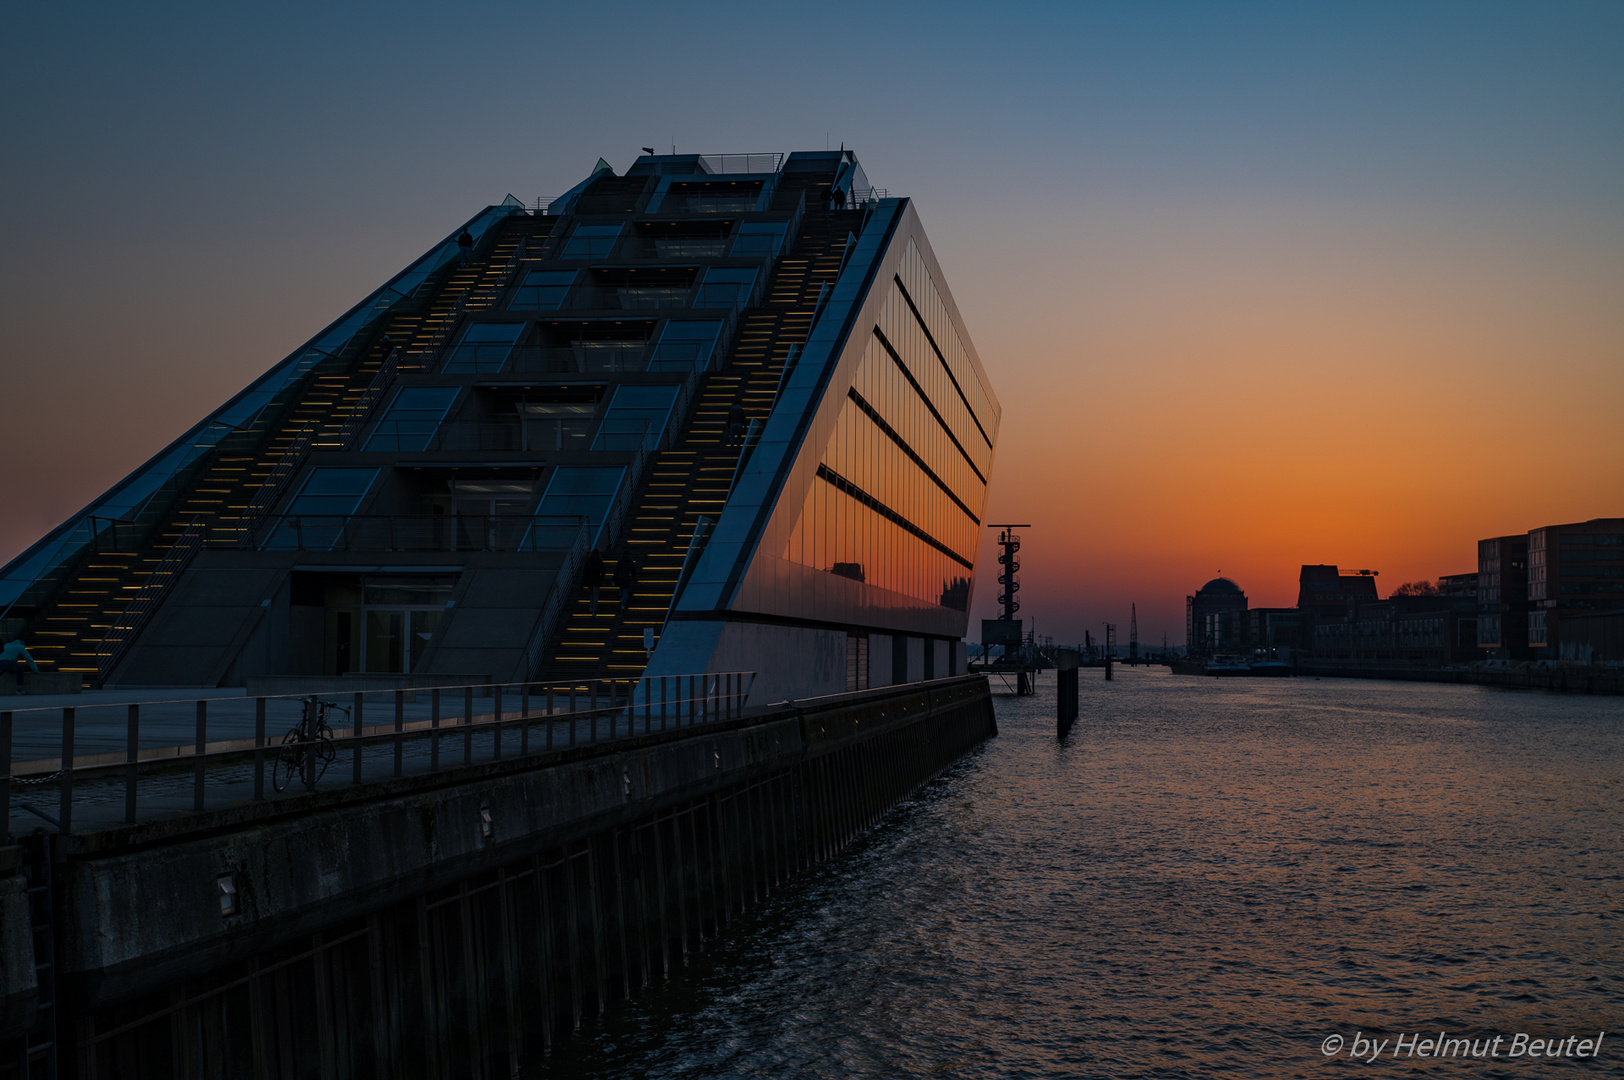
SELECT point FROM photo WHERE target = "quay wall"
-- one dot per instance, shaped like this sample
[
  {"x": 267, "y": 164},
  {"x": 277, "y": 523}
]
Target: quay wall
[{"x": 458, "y": 923}]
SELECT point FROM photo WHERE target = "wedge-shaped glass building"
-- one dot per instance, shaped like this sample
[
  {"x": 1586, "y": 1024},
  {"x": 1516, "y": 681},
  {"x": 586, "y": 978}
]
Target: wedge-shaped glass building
[{"x": 719, "y": 413}]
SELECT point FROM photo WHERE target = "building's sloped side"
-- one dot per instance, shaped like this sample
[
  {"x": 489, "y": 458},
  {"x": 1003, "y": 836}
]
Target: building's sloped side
[
  {"x": 743, "y": 376},
  {"x": 66, "y": 592},
  {"x": 845, "y": 556},
  {"x": 577, "y": 400}
]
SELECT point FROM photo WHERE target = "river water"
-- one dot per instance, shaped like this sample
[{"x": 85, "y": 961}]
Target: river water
[{"x": 1208, "y": 877}]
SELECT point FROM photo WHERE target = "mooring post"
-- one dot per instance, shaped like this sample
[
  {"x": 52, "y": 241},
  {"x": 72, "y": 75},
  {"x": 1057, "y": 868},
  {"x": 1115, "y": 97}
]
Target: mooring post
[{"x": 1065, "y": 691}]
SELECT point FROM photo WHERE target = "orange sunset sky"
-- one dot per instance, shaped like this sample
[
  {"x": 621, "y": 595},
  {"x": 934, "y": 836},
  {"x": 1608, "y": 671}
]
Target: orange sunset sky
[{"x": 1255, "y": 284}]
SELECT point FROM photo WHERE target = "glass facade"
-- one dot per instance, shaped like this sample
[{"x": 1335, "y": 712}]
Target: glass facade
[
  {"x": 581, "y": 491},
  {"x": 542, "y": 290},
  {"x": 902, "y": 484},
  {"x": 726, "y": 287},
  {"x": 636, "y": 417},
  {"x": 316, "y": 517},
  {"x": 759, "y": 239},
  {"x": 382, "y": 624},
  {"x": 684, "y": 346},
  {"x": 592, "y": 241},
  {"x": 484, "y": 347},
  {"x": 412, "y": 418}
]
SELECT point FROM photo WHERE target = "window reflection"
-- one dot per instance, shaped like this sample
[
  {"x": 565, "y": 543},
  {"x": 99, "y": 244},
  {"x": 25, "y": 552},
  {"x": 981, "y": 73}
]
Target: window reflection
[{"x": 902, "y": 482}]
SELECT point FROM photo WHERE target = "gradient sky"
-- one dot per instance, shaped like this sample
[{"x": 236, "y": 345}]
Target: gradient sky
[{"x": 1257, "y": 284}]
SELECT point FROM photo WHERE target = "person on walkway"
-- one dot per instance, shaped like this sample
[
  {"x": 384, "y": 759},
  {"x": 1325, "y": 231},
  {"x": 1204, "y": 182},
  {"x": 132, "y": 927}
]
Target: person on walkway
[
  {"x": 465, "y": 244},
  {"x": 593, "y": 576},
  {"x": 625, "y": 577},
  {"x": 735, "y": 426},
  {"x": 12, "y": 658}
]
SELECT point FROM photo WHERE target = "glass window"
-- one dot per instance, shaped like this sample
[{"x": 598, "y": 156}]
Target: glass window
[
  {"x": 581, "y": 492},
  {"x": 592, "y": 241},
  {"x": 556, "y": 425},
  {"x": 726, "y": 287},
  {"x": 412, "y": 419},
  {"x": 316, "y": 517},
  {"x": 636, "y": 417},
  {"x": 484, "y": 346},
  {"x": 332, "y": 491},
  {"x": 490, "y": 513},
  {"x": 759, "y": 239},
  {"x": 684, "y": 346},
  {"x": 542, "y": 290}
]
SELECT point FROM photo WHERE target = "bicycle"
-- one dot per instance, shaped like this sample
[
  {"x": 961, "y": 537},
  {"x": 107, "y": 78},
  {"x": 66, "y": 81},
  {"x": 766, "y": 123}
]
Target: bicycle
[{"x": 307, "y": 748}]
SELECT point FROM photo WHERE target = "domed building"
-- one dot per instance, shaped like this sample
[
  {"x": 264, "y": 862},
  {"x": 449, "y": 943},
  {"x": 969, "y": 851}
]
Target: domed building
[{"x": 1210, "y": 618}]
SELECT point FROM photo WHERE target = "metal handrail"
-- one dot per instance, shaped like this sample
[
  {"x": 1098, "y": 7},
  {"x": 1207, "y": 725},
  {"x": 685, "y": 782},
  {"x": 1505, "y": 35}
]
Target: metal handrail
[
  {"x": 116, "y": 642},
  {"x": 418, "y": 532},
  {"x": 549, "y": 717},
  {"x": 552, "y": 612},
  {"x": 752, "y": 436}
]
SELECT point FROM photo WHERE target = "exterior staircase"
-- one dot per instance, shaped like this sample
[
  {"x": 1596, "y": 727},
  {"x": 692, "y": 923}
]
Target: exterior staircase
[
  {"x": 691, "y": 479},
  {"x": 71, "y": 630}
]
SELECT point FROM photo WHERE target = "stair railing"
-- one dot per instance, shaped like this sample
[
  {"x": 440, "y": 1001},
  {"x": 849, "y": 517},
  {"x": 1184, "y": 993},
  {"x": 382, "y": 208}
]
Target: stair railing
[
  {"x": 751, "y": 437},
  {"x": 552, "y": 612},
  {"x": 431, "y": 352},
  {"x": 271, "y": 490},
  {"x": 791, "y": 358},
  {"x": 133, "y": 619},
  {"x": 690, "y": 559},
  {"x": 367, "y": 402}
]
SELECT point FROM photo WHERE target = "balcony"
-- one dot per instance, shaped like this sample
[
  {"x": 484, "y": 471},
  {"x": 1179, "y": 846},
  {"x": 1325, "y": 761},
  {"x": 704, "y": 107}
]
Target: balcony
[{"x": 421, "y": 532}]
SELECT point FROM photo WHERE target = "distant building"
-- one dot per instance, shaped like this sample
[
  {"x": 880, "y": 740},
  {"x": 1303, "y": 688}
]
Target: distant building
[
  {"x": 1271, "y": 633},
  {"x": 1593, "y": 637},
  {"x": 1214, "y": 618},
  {"x": 1325, "y": 593},
  {"x": 1325, "y": 586},
  {"x": 1574, "y": 571},
  {"x": 1430, "y": 630},
  {"x": 1502, "y": 596},
  {"x": 1458, "y": 585}
]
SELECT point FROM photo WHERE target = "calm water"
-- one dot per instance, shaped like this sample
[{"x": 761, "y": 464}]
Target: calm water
[{"x": 1210, "y": 876}]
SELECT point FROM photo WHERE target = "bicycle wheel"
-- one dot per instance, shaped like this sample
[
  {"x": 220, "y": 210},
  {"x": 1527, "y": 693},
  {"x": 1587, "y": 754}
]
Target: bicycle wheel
[
  {"x": 289, "y": 764},
  {"x": 324, "y": 751}
]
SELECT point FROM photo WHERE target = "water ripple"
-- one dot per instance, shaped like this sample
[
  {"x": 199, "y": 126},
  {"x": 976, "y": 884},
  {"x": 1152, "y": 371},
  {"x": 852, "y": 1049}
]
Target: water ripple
[{"x": 1208, "y": 877}]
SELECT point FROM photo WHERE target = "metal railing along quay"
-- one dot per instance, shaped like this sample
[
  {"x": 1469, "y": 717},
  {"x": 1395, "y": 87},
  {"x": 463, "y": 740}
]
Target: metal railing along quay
[{"x": 85, "y": 768}]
